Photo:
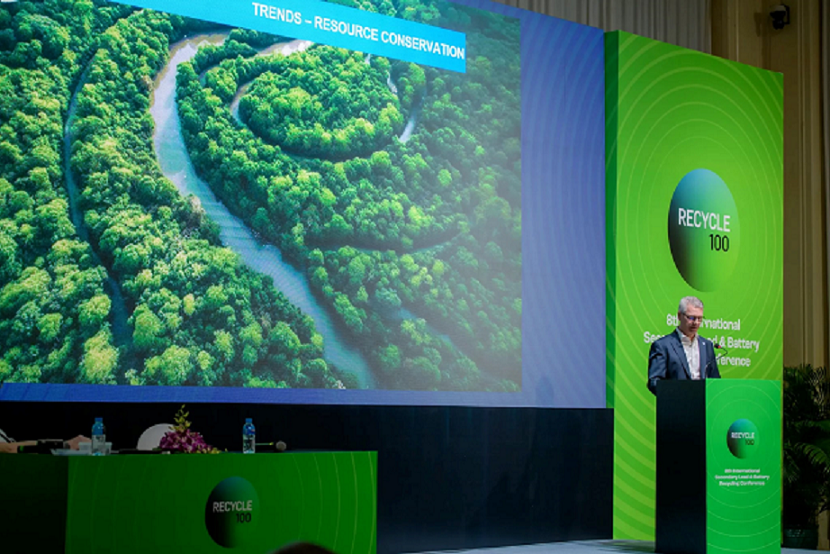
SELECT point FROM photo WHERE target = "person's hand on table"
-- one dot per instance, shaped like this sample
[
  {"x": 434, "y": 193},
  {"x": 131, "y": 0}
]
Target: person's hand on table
[
  {"x": 12, "y": 447},
  {"x": 73, "y": 443}
]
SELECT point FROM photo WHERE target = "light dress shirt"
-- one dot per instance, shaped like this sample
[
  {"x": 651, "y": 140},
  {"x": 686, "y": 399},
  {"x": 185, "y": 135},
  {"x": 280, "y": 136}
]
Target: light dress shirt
[{"x": 692, "y": 349}]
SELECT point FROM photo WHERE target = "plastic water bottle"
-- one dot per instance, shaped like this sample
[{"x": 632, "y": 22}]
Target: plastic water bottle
[
  {"x": 99, "y": 437},
  {"x": 248, "y": 437}
]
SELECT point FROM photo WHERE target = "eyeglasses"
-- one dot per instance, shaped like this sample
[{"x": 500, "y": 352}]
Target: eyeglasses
[{"x": 693, "y": 318}]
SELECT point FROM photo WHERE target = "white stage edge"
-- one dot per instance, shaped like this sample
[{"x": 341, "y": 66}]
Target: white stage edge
[{"x": 580, "y": 547}]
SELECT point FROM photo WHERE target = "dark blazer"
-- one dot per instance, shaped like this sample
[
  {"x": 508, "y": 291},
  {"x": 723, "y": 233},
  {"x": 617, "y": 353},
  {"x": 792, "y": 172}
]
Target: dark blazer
[{"x": 667, "y": 360}]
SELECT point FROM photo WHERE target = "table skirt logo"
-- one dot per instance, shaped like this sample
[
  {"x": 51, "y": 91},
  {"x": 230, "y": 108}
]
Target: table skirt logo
[
  {"x": 232, "y": 512},
  {"x": 742, "y": 438},
  {"x": 704, "y": 232}
]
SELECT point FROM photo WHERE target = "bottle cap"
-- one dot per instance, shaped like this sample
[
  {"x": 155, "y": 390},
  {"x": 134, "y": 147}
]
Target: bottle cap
[
  {"x": 99, "y": 419},
  {"x": 249, "y": 420}
]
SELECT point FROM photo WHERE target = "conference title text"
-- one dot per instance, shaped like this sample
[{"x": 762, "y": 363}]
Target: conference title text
[{"x": 359, "y": 31}]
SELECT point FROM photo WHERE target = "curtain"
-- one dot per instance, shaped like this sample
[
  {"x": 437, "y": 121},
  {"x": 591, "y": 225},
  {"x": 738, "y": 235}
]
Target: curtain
[
  {"x": 682, "y": 22},
  {"x": 825, "y": 163}
]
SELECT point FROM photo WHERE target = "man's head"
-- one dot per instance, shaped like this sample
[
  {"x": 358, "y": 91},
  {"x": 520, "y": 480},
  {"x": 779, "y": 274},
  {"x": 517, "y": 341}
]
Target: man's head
[{"x": 690, "y": 315}]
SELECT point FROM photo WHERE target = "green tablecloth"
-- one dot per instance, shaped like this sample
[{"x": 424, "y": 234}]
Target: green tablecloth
[{"x": 189, "y": 503}]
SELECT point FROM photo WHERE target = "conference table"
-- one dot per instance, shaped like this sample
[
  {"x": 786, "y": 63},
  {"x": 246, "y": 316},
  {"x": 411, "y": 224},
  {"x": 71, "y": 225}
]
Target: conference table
[{"x": 162, "y": 503}]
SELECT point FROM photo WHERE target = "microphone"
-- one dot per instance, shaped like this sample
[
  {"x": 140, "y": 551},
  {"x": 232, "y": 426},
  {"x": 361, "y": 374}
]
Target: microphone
[
  {"x": 278, "y": 446},
  {"x": 724, "y": 353}
]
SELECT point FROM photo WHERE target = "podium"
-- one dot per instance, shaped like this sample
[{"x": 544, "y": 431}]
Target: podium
[
  {"x": 718, "y": 467},
  {"x": 253, "y": 503}
]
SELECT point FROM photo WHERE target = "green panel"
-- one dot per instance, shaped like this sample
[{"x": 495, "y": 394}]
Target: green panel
[
  {"x": 743, "y": 466},
  {"x": 163, "y": 503},
  {"x": 611, "y": 95},
  {"x": 34, "y": 503},
  {"x": 706, "y": 134}
]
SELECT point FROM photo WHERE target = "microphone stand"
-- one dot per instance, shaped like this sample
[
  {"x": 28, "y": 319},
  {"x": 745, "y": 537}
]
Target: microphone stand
[{"x": 717, "y": 356}]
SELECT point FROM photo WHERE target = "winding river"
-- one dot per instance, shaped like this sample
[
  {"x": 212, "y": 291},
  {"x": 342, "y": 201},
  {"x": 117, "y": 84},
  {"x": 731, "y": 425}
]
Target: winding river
[
  {"x": 121, "y": 333},
  {"x": 410, "y": 125},
  {"x": 263, "y": 258}
]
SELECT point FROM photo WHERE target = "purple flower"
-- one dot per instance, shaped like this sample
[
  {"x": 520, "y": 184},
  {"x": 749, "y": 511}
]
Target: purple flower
[{"x": 182, "y": 439}]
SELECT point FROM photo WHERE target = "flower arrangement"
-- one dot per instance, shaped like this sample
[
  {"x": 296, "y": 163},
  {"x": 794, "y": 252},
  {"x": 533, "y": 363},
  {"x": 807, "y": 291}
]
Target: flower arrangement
[{"x": 182, "y": 440}]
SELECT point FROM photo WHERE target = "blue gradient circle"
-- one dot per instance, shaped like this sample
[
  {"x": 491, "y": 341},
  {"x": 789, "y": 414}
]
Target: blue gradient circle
[
  {"x": 704, "y": 231},
  {"x": 742, "y": 438},
  {"x": 232, "y": 512}
]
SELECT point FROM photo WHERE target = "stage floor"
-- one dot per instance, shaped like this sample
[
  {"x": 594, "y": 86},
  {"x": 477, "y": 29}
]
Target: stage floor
[{"x": 582, "y": 547}]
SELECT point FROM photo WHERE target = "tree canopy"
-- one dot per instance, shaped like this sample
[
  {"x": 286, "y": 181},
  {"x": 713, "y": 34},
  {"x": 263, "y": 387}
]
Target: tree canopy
[{"x": 396, "y": 188}]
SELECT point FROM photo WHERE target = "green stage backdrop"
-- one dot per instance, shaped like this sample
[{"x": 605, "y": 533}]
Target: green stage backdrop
[{"x": 694, "y": 207}]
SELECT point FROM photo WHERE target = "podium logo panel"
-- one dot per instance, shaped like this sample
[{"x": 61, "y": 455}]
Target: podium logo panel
[
  {"x": 231, "y": 512},
  {"x": 742, "y": 438},
  {"x": 704, "y": 232}
]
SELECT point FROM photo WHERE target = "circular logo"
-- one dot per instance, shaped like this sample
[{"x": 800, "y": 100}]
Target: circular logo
[
  {"x": 742, "y": 438},
  {"x": 231, "y": 513},
  {"x": 704, "y": 232}
]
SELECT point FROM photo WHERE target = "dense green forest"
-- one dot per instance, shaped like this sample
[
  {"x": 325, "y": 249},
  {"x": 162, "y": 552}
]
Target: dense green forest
[
  {"x": 197, "y": 316},
  {"x": 431, "y": 224},
  {"x": 310, "y": 108},
  {"x": 413, "y": 243}
]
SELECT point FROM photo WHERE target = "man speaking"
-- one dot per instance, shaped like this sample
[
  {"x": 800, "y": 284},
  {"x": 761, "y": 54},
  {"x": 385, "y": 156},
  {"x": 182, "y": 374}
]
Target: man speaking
[{"x": 683, "y": 354}]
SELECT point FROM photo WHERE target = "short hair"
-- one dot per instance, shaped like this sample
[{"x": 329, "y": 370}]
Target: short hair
[{"x": 687, "y": 301}]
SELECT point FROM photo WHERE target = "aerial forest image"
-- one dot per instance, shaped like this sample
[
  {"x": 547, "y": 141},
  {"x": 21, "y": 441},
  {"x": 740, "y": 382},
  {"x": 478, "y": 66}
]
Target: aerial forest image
[{"x": 187, "y": 204}]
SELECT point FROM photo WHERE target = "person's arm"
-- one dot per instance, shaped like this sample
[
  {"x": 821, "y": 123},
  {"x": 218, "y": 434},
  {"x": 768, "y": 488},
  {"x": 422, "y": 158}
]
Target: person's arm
[
  {"x": 11, "y": 447},
  {"x": 656, "y": 366}
]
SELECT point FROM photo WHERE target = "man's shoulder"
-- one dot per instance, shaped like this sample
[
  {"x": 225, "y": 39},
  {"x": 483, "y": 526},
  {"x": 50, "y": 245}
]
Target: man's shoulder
[
  {"x": 669, "y": 338},
  {"x": 665, "y": 340}
]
